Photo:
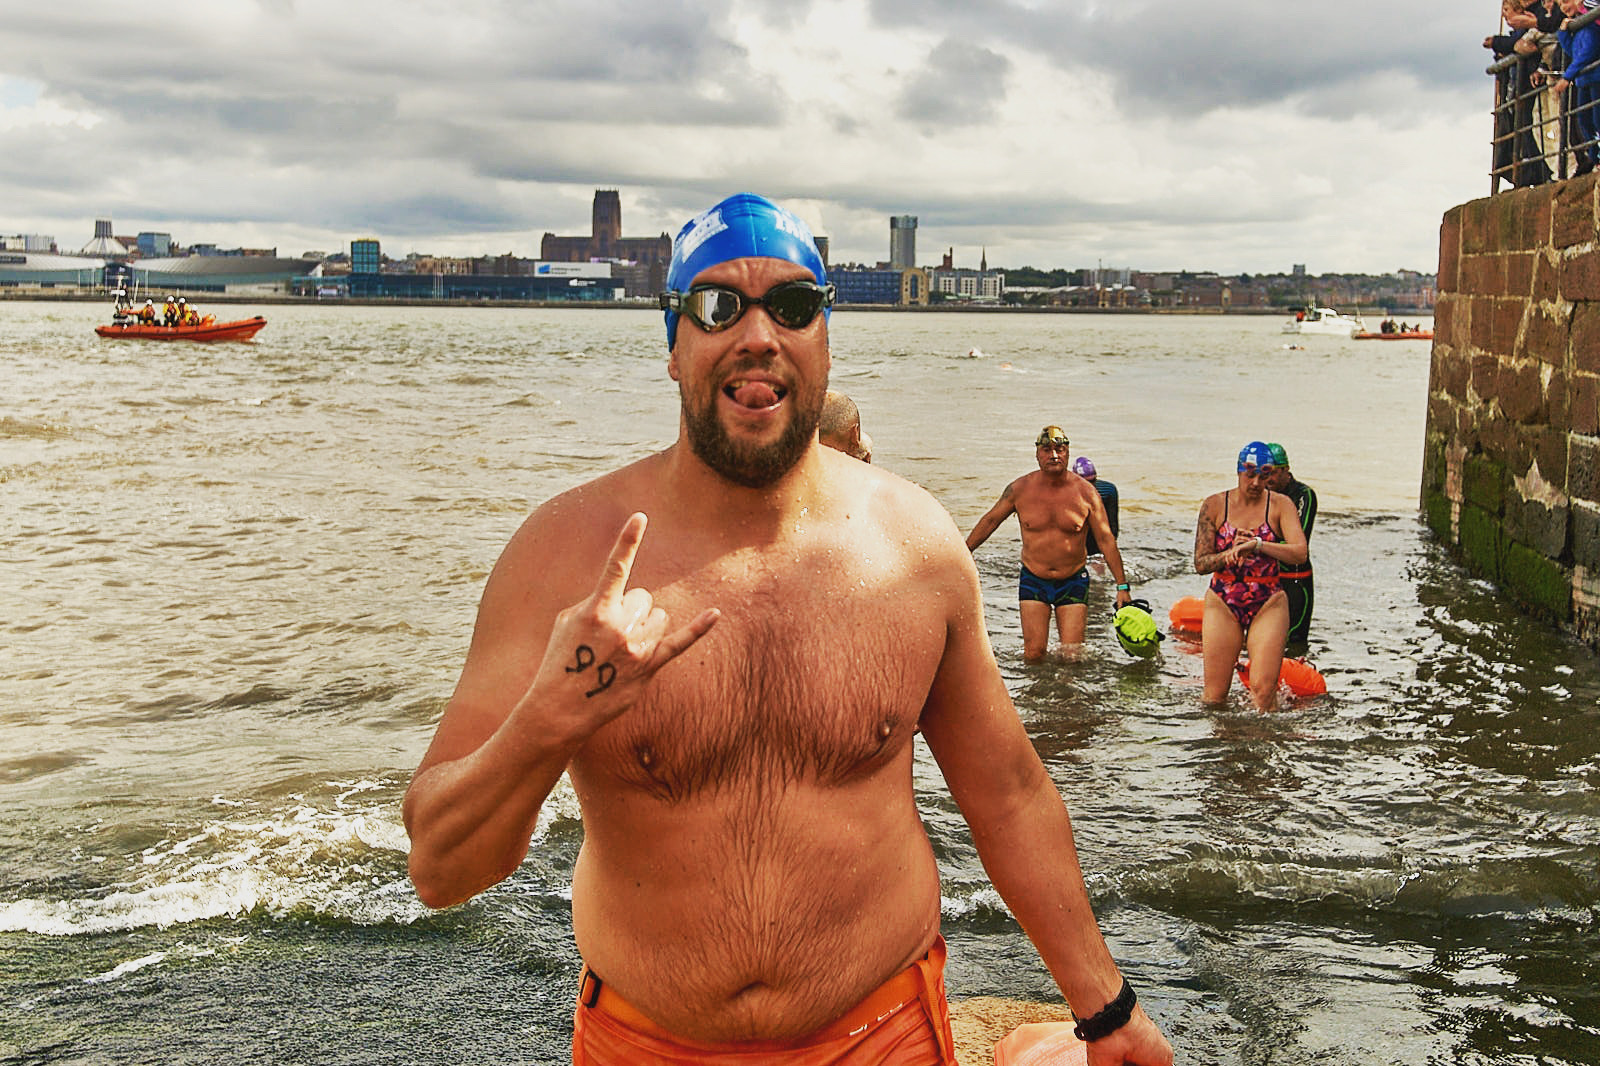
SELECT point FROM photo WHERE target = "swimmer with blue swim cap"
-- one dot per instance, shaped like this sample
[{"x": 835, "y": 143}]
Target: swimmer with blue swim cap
[{"x": 743, "y": 226}]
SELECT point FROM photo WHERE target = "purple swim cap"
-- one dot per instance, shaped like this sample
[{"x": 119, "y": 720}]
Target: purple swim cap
[
  {"x": 1083, "y": 466},
  {"x": 742, "y": 226},
  {"x": 1255, "y": 454}
]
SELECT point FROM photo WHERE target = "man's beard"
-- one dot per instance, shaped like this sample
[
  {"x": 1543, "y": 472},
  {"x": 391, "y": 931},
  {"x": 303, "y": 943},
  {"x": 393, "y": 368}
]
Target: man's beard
[{"x": 750, "y": 465}]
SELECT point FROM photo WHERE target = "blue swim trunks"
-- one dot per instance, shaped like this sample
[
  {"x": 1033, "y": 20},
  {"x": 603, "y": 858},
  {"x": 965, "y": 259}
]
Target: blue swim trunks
[{"x": 1057, "y": 592}]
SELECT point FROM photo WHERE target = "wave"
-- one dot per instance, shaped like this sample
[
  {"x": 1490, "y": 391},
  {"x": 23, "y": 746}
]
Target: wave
[{"x": 346, "y": 864}]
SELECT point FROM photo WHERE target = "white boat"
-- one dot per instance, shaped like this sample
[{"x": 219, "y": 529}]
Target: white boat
[{"x": 1325, "y": 321}]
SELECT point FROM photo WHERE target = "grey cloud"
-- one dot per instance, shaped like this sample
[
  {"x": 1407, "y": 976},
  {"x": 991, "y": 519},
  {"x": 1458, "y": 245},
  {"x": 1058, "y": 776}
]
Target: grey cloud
[
  {"x": 1185, "y": 59},
  {"x": 961, "y": 84}
]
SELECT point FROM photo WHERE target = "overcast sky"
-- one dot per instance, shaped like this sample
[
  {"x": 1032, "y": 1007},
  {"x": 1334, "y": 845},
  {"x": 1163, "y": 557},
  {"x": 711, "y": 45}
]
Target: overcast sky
[{"x": 1229, "y": 135}]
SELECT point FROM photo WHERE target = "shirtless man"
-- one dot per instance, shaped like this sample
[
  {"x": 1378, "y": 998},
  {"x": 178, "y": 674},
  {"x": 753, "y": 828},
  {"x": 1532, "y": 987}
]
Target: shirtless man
[
  {"x": 840, "y": 428},
  {"x": 733, "y": 694},
  {"x": 1056, "y": 509}
]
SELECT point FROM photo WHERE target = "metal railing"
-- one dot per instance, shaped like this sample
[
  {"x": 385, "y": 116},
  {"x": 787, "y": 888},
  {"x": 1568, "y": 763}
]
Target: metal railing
[{"x": 1536, "y": 132}]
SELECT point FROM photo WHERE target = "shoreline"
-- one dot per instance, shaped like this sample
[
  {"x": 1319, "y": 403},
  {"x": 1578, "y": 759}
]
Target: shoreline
[{"x": 641, "y": 305}]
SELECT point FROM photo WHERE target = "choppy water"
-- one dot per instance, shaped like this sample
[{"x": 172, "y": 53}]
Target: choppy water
[{"x": 237, "y": 582}]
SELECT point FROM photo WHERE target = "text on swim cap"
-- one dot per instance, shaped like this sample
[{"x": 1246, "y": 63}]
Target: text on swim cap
[{"x": 706, "y": 227}]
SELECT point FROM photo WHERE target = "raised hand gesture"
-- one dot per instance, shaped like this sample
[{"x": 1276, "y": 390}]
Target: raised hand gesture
[{"x": 604, "y": 649}]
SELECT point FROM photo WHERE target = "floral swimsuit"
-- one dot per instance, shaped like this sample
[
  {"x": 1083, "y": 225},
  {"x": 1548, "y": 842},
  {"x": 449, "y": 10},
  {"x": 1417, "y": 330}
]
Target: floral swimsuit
[{"x": 1250, "y": 582}]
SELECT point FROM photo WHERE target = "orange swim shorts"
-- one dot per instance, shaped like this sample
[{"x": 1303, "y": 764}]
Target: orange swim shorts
[{"x": 906, "y": 1022}]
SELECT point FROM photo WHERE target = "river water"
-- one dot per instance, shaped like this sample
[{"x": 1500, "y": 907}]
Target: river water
[{"x": 237, "y": 582}]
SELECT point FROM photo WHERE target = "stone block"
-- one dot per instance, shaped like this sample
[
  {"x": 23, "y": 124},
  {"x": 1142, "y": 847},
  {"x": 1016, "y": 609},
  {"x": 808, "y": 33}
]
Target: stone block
[
  {"x": 1435, "y": 464},
  {"x": 1480, "y": 539},
  {"x": 1586, "y": 337},
  {"x": 1508, "y": 316},
  {"x": 1436, "y": 513},
  {"x": 1546, "y": 277},
  {"x": 1476, "y": 235},
  {"x": 1497, "y": 435},
  {"x": 1450, "y": 250},
  {"x": 1519, "y": 273},
  {"x": 1536, "y": 218},
  {"x": 1580, "y": 276},
  {"x": 1541, "y": 583},
  {"x": 1451, "y": 374},
  {"x": 1520, "y": 391},
  {"x": 1540, "y": 526},
  {"x": 1583, "y": 468},
  {"x": 1583, "y": 404},
  {"x": 1572, "y": 214},
  {"x": 1449, "y": 320},
  {"x": 1586, "y": 536},
  {"x": 1485, "y": 376},
  {"x": 1550, "y": 452},
  {"x": 1480, "y": 329},
  {"x": 1441, "y": 412},
  {"x": 1483, "y": 483},
  {"x": 1484, "y": 274},
  {"x": 1545, "y": 336},
  {"x": 1557, "y": 398}
]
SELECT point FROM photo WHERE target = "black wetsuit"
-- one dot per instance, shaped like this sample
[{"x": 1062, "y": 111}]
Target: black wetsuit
[{"x": 1295, "y": 579}]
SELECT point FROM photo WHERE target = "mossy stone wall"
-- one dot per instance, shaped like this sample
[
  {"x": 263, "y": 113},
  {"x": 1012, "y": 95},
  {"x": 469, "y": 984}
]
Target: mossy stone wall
[{"x": 1511, "y": 468}]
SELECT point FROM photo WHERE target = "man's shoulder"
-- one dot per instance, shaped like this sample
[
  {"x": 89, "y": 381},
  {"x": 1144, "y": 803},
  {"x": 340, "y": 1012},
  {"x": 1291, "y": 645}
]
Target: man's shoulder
[{"x": 592, "y": 511}]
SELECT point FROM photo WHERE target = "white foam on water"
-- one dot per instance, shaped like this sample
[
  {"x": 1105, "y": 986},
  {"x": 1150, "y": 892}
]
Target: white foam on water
[
  {"x": 343, "y": 860},
  {"x": 346, "y": 863},
  {"x": 122, "y": 969}
]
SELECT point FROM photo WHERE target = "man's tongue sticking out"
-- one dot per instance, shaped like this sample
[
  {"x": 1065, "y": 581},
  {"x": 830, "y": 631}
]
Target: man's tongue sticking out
[{"x": 756, "y": 395}]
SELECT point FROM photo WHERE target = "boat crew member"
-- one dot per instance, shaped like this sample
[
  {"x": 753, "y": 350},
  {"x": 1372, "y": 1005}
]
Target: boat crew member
[
  {"x": 121, "y": 307},
  {"x": 1055, "y": 510},
  {"x": 1241, "y": 536},
  {"x": 169, "y": 312},
  {"x": 735, "y": 709},
  {"x": 190, "y": 316},
  {"x": 1296, "y": 579},
  {"x": 147, "y": 313}
]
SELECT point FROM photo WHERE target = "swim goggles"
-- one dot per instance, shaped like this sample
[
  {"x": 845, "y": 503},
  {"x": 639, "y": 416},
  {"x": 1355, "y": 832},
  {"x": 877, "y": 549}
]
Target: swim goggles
[
  {"x": 791, "y": 304},
  {"x": 1258, "y": 471}
]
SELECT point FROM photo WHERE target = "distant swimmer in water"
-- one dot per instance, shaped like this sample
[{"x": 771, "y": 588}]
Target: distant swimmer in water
[
  {"x": 734, "y": 685},
  {"x": 841, "y": 427},
  {"x": 1056, "y": 510},
  {"x": 1240, "y": 538}
]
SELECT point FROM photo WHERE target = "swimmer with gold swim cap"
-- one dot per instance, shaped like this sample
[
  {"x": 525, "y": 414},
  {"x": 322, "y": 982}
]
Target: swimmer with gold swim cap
[
  {"x": 735, "y": 695},
  {"x": 1057, "y": 510}
]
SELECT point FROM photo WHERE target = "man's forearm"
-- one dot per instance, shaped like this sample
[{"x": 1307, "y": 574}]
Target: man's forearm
[
  {"x": 470, "y": 819},
  {"x": 1032, "y": 861}
]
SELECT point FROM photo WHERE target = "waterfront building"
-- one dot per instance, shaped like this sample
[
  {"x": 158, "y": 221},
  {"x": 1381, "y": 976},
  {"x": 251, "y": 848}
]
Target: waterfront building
[
  {"x": 967, "y": 284},
  {"x": 104, "y": 243},
  {"x": 154, "y": 245},
  {"x": 366, "y": 256},
  {"x": 902, "y": 241},
  {"x": 879, "y": 285},
  {"x": 28, "y": 242},
  {"x": 541, "y": 283},
  {"x": 606, "y": 242}
]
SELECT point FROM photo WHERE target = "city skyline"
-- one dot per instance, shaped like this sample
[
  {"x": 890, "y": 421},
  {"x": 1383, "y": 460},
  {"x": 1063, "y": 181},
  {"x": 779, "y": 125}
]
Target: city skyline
[{"x": 1163, "y": 137}]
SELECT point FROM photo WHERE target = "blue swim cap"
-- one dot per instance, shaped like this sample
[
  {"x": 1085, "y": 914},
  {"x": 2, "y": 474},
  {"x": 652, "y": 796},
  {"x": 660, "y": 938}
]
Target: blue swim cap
[
  {"x": 1254, "y": 454},
  {"x": 742, "y": 226}
]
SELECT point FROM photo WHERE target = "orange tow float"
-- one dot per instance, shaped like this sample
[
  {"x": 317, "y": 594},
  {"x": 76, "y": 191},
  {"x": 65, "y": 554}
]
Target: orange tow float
[{"x": 1301, "y": 677}]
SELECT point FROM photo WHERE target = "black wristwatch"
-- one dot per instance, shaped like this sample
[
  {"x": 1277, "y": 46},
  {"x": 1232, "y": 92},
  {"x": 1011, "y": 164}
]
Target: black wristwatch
[{"x": 1112, "y": 1016}]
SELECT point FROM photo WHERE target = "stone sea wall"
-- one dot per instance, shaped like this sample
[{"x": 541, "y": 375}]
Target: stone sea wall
[{"x": 1511, "y": 474}]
